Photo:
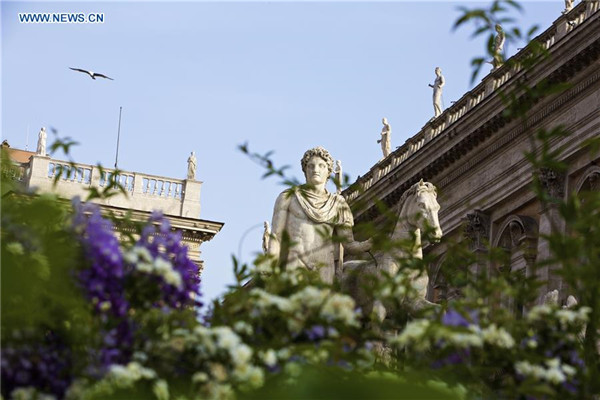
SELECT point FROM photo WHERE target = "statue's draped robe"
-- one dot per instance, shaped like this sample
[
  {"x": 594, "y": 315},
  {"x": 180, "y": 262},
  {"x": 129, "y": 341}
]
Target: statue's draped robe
[
  {"x": 312, "y": 221},
  {"x": 326, "y": 208}
]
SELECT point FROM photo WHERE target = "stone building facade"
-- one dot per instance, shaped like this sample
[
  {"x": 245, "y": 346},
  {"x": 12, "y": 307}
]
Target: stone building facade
[
  {"x": 178, "y": 199},
  {"x": 474, "y": 154}
]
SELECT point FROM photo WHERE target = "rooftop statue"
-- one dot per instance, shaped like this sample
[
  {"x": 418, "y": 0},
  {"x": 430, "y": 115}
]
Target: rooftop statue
[
  {"x": 41, "y": 144},
  {"x": 191, "y": 171},
  {"x": 386, "y": 140},
  {"x": 498, "y": 47},
  {"x": 437, "y": 86},
  {"x": 308, "y": 216},
  {"x": 338, "y": 176},
  {"x": 568, "y": 6},
  {"x": 266, "y": 236}
]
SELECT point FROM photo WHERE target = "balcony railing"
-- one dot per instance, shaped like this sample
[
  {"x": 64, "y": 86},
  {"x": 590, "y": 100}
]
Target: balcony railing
[{"x": 143, "y": 191}]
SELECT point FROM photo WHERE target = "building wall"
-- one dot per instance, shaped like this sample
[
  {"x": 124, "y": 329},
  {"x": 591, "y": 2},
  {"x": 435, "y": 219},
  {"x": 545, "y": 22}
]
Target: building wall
[
  {"x": 178, "y": 199},
  {"x": 475, "y": 154}
]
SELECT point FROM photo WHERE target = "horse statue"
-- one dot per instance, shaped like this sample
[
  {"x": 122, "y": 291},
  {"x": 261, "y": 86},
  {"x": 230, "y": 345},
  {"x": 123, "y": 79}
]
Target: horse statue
[{"x": 418, "y": 210}]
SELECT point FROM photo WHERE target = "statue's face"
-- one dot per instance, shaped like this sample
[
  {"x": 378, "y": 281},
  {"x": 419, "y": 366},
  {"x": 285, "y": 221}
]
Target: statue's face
[{"x": 316, "y": 171}]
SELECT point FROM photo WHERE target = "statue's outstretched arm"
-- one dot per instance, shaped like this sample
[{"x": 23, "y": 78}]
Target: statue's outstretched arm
[{"x": 350, "y": 245}]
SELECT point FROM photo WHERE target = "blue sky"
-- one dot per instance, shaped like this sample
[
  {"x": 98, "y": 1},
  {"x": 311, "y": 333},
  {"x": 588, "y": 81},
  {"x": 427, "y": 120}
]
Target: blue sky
[{"x": 209, "y": 76}]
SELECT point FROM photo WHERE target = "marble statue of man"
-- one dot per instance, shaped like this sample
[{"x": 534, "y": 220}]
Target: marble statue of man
[
  {"x": 498, "y": 46},
  {"x": 309, "y": 216},
  {"x": 437, "y": 86},
  {"x": 41, "y": 144},
  {"x": 568, "y": 6},
  {"x": 386, "y": 140},
  {"x": 191, "y": 171},
  {"x": 266, "y": 236},
  {"x": 338, "y": 176}
]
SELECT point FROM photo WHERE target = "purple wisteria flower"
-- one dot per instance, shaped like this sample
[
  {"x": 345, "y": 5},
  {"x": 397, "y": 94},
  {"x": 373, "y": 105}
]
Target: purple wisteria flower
[
  {"x": 316, "y": 332},
  {"x": 458, "y": 357},
  {"x": 103, "y": 281},
  {"x": 164, "y": 245},
  {"x": 162, "y": 276},
  {"x": 45, "y": 365},
  {"x": 454, "y": 318}
]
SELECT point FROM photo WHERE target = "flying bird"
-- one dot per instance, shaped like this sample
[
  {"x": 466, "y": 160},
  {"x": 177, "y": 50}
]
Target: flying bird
[{"x": 92, "y": 74}]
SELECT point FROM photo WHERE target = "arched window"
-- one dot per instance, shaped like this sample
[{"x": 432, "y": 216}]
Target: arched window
[
  {"x": 589, "y": 181},
  {"x": 518, "y": 236}
]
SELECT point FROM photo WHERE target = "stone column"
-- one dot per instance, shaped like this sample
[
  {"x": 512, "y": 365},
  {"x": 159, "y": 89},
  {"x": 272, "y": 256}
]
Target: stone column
[{"x": 553, "y": 183}]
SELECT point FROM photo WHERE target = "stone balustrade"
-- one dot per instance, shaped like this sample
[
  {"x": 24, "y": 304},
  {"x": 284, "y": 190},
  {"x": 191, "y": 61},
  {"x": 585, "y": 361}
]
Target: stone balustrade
[
  {"x": 15, "y": 172},
  {"x": 143, "y": 192},
  {"x": 490, "y": 84}
]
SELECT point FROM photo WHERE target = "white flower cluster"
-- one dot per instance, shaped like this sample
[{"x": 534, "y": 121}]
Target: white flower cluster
[
  {"x": 554, "y": 371},
  {"x": 15, "y": 248},
  {"x": 405, "y": 286},
  {"x": 498, "y": 337},
  {"x": 30, "y": 393},
  {"x": 161, "y": 389},
  {"x": 244, "y": 328},
  {"x": 472, "y": 338},
  {"x": 269, "y": 357},
  {"x": 339, "y": 307},
  {"x": 414, "y": 333},
  {"x": 143, "y": 261},
  {"x": 222, "y": 339},
  {"x": 420, "y": 333},
  {"x": 565, "y": 316},
  {"x": 332, "y": 307},
  {"x": 266, "y": 300},
  {"x": 309, "y": 297},
  {"x": 127, "y": 375},
  {"x": 119, "y": 377}
]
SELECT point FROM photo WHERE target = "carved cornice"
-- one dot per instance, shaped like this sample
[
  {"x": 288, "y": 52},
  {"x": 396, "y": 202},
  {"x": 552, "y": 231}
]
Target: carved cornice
[
  {"x": 566, "y": 71},
  {"x": 520, "y": 129}
]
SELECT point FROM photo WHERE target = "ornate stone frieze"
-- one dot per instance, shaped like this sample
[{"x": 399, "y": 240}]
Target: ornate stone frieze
[
  {"x": 553, "y": 182},
  {"x": 480, "y": 134},
  {"x": 477, "y": 229}
]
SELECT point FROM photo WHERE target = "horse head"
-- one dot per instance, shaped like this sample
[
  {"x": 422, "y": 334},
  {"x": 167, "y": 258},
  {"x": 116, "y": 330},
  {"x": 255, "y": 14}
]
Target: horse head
[
  {"x": 420, "y": 209},
  {"x": 418, "y": 212}
]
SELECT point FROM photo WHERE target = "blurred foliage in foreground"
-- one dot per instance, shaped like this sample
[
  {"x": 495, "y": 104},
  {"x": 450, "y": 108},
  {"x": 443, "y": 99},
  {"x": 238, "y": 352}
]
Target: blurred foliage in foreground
[{"x": 86, "y": 316}]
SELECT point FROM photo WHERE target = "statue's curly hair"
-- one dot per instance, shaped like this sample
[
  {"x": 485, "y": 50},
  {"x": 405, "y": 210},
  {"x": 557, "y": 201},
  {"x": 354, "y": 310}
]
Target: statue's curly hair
[{"x": 317, "y": 151}]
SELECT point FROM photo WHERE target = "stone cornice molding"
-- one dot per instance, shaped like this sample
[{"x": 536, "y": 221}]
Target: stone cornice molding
[
  {"x": 192, "y": 230},
  {"x": 520, "y": 129},
  {"x": 463, "y": 142}
]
